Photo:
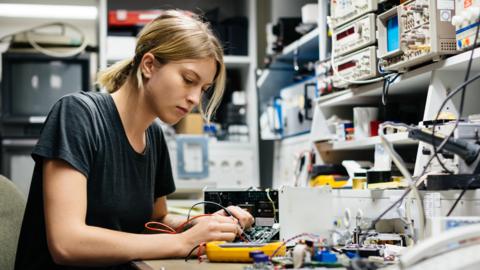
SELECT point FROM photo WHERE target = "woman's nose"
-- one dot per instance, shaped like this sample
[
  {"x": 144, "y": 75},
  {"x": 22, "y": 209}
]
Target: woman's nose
[{"x": 194, "y": 96}]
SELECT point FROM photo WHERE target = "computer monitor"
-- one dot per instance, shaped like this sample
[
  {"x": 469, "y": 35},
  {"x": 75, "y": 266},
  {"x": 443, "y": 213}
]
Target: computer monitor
[{"x": 33, "y": 82}]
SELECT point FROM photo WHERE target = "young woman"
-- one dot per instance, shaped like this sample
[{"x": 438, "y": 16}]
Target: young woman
[{"x": 102, "y": 168}]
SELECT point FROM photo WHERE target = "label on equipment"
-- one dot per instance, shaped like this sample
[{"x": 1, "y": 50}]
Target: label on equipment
[
  {"x": 263, "y": 221},
  {"x": 432, "y": 204},
  {"x": 446, "y": 4}
]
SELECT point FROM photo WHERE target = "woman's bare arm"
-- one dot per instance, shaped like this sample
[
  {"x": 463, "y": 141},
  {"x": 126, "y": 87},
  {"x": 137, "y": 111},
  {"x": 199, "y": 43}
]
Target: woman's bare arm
[
  {"x": 72, "y": 242},
  {"x": 160, "y": 214}
]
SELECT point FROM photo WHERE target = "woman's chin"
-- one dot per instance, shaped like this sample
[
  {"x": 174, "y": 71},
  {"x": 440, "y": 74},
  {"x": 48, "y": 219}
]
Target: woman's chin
[{"x": 170, "y": 120}]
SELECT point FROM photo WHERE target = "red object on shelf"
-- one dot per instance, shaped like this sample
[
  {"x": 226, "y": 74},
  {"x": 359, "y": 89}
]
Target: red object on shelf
[
  {"x": 374, "y": 128},
  {"x": 123, "y": 17},
  {"x": 349, "y": 133}
]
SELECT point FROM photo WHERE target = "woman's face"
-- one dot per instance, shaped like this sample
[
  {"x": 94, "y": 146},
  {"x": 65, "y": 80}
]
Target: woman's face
[{"x": 172, "y": 90}]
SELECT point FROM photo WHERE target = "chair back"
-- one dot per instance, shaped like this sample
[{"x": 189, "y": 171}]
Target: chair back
[{"x": 12, "y": 207}]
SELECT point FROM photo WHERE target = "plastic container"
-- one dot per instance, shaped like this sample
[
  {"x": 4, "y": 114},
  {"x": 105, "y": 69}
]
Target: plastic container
[
  {"x": 359, "y": 180},
  {"x": 255, "y": 252},
  {"x": 261, "y": 262}
]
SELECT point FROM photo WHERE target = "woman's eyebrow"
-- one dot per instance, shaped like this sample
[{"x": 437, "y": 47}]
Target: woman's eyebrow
[
  {"x": 194, "y": 73},
  {"x": 197, "y": 76}
]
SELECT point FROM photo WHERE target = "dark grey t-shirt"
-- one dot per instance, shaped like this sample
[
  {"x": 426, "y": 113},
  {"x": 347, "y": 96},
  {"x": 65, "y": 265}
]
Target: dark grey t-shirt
[{"x": 85, "y": 130}]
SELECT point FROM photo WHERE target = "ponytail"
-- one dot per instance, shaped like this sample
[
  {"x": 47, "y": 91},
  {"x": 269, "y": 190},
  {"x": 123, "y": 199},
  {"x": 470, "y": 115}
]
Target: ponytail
[{"x": 115, "y": 76}]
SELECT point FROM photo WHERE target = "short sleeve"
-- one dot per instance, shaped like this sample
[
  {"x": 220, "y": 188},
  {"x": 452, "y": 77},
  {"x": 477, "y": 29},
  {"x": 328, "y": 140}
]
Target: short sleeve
[
  {"x": 68, "y": 134},
  {"x": 164, "y": 183}
]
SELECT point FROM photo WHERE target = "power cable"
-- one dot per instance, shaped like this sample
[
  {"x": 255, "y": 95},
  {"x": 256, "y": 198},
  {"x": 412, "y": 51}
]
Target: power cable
[{"x": 462, "y": 100}]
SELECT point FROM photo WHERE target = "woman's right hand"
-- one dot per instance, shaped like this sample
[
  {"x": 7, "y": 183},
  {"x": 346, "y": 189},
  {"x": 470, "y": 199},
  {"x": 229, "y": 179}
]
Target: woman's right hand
[{"x": 212, "y": 228}]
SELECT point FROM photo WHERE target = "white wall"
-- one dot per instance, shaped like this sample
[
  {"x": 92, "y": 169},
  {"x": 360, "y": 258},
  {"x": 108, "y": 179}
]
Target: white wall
[{"x": 288, "y": 8}]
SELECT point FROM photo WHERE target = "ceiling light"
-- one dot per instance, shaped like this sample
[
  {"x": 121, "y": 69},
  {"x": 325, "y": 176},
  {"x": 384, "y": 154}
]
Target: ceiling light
[{"x": 48, "y": 11}]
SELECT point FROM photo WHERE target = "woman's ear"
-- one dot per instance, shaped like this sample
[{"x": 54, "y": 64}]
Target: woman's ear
[{"x": 147, "y": 65}]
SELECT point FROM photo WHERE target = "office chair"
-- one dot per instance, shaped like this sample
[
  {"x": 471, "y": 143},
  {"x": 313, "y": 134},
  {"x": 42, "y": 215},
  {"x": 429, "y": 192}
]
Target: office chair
[{"x": 12, "y": 207}]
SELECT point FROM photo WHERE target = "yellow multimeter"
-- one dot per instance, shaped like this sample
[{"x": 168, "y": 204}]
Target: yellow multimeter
[{"x": 221, "y": 251}]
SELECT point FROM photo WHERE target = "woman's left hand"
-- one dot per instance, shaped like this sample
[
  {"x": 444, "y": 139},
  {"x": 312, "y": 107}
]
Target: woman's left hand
[{"x": 244, "y": 217}]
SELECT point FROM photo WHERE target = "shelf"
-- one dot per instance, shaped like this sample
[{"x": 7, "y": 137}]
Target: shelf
[
  {"x": 280, "y": 72},
  {"x": 414, "y": 81},
  {"x": 367, "y": 143},
  {"x": 459, "y": 62},
  {"x": 214, "y": 144},
  {"x": 305, "y": 47},
  {"x": 293, "y": 140},
  {"x": 331, "y": 95},
  {"x": 234, "y": 61},
  {"x": 119, "y": 48}
]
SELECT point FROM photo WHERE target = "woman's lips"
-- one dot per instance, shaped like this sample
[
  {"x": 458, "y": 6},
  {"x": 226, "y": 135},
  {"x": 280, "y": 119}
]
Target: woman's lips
[{"x": 182, "y": 110}]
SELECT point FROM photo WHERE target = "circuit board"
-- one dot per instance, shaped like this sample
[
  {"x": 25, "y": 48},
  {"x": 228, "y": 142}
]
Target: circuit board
[
  {"x": 262, "y": 234},
  {"x": 262, "y": 205}
]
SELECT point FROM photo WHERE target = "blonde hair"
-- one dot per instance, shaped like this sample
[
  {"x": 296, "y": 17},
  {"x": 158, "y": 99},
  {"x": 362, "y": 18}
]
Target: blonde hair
[{"x": 173, "y": 36}]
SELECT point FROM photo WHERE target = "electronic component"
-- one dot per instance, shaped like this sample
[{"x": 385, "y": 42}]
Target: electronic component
[
  {"x": 415, "y": 32},
  {"x": 466, "y": 22},
  {"x": 192, "y": 156},
  {"x": 460, "y": 154},
  {"x": 333, "y": 175},
  {"x": 220, "y": 251},
  {"x": 343, "y": 11},
  {"x": 32, "y": 82},
  {"x": 384, "y": 179},
  {"x": 359, "y": 65},
  {"x": 309, "y": 205},
  {"x": 333, "y": 181},
  {"x": 442, "y": 224},
  {"x": 283, "y": 33},
  {"x": 262, "y": 205},
  {"x": 364, "y": 251},
  {"x": 326, "y": 82},
  {"x": 386, "y": 239},
  {"x": 310, "y": 255},
  {"x": 131, "y": 18},
  {"x": 262, "y": 234},
  {"x": 271, "y": 120},
  {"x": 297, "y": 107},
  {"x": 455, "y": 181},
  {"x": 355, "y": 35}
]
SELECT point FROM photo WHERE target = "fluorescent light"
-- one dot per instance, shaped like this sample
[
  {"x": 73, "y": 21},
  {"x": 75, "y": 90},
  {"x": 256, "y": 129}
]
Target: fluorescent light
[{"x": 48, "y": 11}]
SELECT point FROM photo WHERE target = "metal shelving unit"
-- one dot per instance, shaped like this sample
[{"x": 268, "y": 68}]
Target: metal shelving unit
[
  {"x": 246, "y": 64},
  {"x": 304, "y": 49},
  {"x": 432, "y": 82},
  {"x": 278, "y": 75},
  {"x": 411, "y": 82},
  {"x": 426, "y": 85}
]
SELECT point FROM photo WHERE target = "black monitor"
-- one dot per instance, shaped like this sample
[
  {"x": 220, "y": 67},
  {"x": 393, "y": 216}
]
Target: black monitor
[{"x": 33, "y": 82}]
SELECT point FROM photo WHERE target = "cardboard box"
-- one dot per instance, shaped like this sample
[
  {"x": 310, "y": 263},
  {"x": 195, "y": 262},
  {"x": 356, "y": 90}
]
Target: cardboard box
[{"x": 191, "y": 124}]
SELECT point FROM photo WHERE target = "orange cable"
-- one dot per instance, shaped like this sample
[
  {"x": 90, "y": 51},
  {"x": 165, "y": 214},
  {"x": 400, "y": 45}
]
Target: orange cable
[{"x": 148, "y": 226}]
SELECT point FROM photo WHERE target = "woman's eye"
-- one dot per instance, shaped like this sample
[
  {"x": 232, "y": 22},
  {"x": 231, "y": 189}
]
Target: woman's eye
[{"x": 187, "y": 80}]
